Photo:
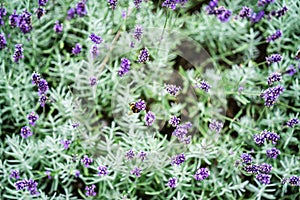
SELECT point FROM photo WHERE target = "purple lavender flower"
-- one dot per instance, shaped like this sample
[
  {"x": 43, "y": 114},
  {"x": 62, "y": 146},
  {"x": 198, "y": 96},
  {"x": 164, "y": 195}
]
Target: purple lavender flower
[
  {"x": 172, "y": 183},
  {"x": 43, "y": 87},
  {"x": 263, "y": 178},
  {"x": 149, "y": 118},
  {"x": 278, "y": 13},
  {"x": 136, "y": 171},
  {"x": 181, "y": 131},
  {"x": 3, "y": 42},
  {"x": 77, "y": 173},
  {"x": 271, "y": 95},
  {"x": 291, "y": 70},
  {"x": 40, "y": 12},
  {"x": 81, "y": 9},
  {"x": 274, "y": 36},
  {"x": 252, "y": 169},
  {"x": 143, "y": 56},
  {"x": 212, "y": 6},
  {"x": 294, "y": 181},
  {"x": 172, "y": 4},
  {"x": 130, "y": 154},
  {"x": 216, "y": 126},
  {"x": 14, "y": 174},
  {"x": 257, "y": 17},
  {"x": 35, "y": 78},
  {"x": 131, "y": 44},
  {"x": 203, "y": 85},
  {"x": 292, "y": 122},
  {"x": 259, "y": 139},
  {"x": 124, "y": 67},
  {"x": 75, "y": 125},
  {"x": 42, "y": 2},
  {"x": 77, "y": 49},
  {"x": 25, "y": 24},
  {"x": 32, "y": 118},
  {"x": 138, "y": 32},
  {"x": 66, "y": 143},
  {"x": 14, "y": 19},
  {"x": 2, "y": 14},
  {"x": 93, "y": 81},
  {"x": 90, "y": 190},
  {"x": 201, "y": 174},
  {"x": 178, "y": 159},
  {"x": 96, "y": 39},
  {"x": 26, "y": 132},
  {"x": 246, "y": 12},
  {"x": 140, "y": 105},
  {"x": 264, "y": 2},
  {"x": 172, "y": 89},
  {"x": 142, "y": 155},
  {"x": 102, "y": 170},
  {"x": 43, "y": 100},
  {"x": 112, "y": 4},
  {"x": 246, "y": 158},
  {"x": 187, "y": 140},
  {"x": 58, "y": 28},
  {"x": 271, "y": 136},
  {"x": 273, "y": 58},
  {"x": 86, "y": 161},
  {"x": 94, "y": 51},
  {"x": 272, "y": 153},
  {"x": 265, "y": 168},
  {"x": 21, "y": 185},
  {"x": 32, "y": 186},
  {"x": 225, "y": 16},
  {"x": 137, "y": 3},
  {"x": 18, "y": 54},
  {"x": 71, "y": 13},
  {"x": 174, "y": 121},
  {"x": 274, "y": 77},
  {"x": 48, "y": 173}
]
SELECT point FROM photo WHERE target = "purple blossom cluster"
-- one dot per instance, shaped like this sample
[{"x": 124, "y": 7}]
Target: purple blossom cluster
[
  {"x": 18, "y": 54},
  {"x": 181, "y": 132},
  {"x": 137, "y": 3},
  {"x": 90, "y": 190},
  {"x": 172, "y": 89},
  {"x": 30, "y": 185},
  {"x": 257, "y": 17},
  {"x": 142, "y": 155},
  {"x": 178, "y": 159},
  {"x": 172, "y": 182},
  {"x": 42, "y": 2},
  {"x": 32, "y": 118},
  {"x": 221, "y": 12},
  {"x": 270, "y": 95},
  {"x": 272, "y": 153},
  {"x": 40, "y": 12},
  {"x": 58, "y": 27},
  {"x": 246, "y": 12},
  {"x": 216, "y": 126},
  {"x": 138, "y": 32},
  {"x": 174, "y": 121},
  {"x": 274, "y": 36},
  {"x": 77, "y": 49},
  {"x": 136, "y": 171},
  {"x": 96, "y": 39},
  {"x": 124, "y": 67},
  {"x": 246, "y": 158},
  {"x": 263, "y": 178},
  {"x": 278, "y": 13},
  {"x": 2, "y": 14},
  {"x": 264, "y": 2},
  {"x": 66, "y": 143},
  {"x": 292, "y": 122},
  {"x": 201, "y": 174},
  {"x": 274, "y": 58},
  {"x": 172, "y": 4},
  {"x": 86, "y": 161},
  {"x": 274, "y": 77},
  {"x": 93, "y": 81},
  {"x": 14, "y": 174},
  {"x": 130, "y": 154},
  {"x": 80, "y": 10},
  {"x": 102, "y": 170},
  {"x": 143, "y": 56},
  {"x": 203, "y": 85},
  {"x": 266, "y": 135},
  {"x": 291, "y": 70},
  {"x": 140, "y": 105},
  {"x": 42, "y": 88},
  {"x": 294, "y": 181},
  {"x": 26, "y": 132},
  {"x": 112, "y": 4},
  {"x": 149, "y": 118},
  {"x": 24, "y": 22},
  {"x": 3, "y": 41}
]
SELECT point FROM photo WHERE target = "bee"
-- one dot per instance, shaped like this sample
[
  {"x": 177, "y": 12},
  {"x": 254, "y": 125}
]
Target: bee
[
  {"x": 297, "y": 57},
  {"x": 133, "y": 108}
]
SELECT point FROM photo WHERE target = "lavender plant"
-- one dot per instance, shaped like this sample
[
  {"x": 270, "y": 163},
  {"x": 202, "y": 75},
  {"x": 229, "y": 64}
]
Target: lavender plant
[{"x": 170, "y": 99}]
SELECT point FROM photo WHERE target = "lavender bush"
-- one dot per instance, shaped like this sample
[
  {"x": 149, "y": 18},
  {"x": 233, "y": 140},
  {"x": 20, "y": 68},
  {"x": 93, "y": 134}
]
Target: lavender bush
[{"x": 169, "y": 99}]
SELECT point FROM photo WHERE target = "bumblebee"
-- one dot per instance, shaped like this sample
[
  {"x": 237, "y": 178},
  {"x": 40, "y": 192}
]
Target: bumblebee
[
  {"x": 297, "y": 57},
  {"x": 133, "y": 108}
]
